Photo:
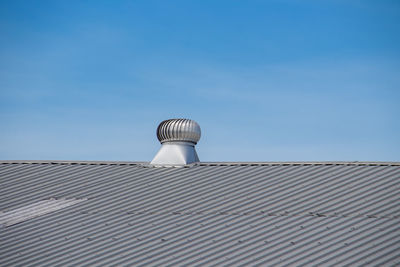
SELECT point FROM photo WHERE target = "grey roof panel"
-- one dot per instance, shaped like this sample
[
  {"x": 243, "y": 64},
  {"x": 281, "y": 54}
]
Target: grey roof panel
[{"x": 203, "y": 214}]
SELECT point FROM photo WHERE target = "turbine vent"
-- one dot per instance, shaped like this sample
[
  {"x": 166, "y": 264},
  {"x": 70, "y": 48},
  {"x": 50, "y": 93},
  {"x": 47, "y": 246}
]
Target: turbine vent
[
  {"x": 178, "y": 138},
  {"x": 183, "y": 130}
]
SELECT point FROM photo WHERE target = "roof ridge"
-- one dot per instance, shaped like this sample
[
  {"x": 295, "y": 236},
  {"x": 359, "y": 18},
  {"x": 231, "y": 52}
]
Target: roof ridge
[
  {"x": 216, "y": 163},
  {"x": 72, "y": 162},
  {"x": 273, "y": 163}
]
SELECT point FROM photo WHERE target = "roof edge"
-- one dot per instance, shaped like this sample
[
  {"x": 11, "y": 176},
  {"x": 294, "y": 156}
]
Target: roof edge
[
  {"x": 73, "y": 162},
  {"x": 221, "y": 163},
  {"x": 370, "y": 163}
]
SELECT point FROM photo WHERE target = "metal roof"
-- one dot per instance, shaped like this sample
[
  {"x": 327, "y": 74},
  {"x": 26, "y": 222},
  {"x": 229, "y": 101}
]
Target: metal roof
[{"x": 280, "y": 213}]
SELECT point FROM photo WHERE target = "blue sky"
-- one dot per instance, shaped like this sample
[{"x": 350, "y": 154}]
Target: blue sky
[{"x": 266, "y": 80}]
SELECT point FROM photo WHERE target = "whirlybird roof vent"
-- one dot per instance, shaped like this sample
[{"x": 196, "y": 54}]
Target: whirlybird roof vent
[{"x": 178, "y": 138}]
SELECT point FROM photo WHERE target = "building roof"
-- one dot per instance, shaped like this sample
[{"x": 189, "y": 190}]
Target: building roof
[{"x": 130, "y": 213}]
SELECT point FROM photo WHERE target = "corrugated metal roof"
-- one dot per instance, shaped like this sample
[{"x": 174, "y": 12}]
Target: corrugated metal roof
[{"x": 307, "y": 213}]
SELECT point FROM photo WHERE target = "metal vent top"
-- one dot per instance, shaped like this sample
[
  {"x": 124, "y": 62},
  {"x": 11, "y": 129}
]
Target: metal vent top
[{"x": 175, "y": 130}]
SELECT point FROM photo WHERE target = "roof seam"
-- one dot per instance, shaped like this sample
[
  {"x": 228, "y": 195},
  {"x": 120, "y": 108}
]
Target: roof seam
[{"x": 264, "y": 214}]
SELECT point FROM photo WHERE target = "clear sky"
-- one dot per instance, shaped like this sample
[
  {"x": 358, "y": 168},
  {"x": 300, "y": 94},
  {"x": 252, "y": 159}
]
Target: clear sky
[{"x": 300, "y": 80}]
